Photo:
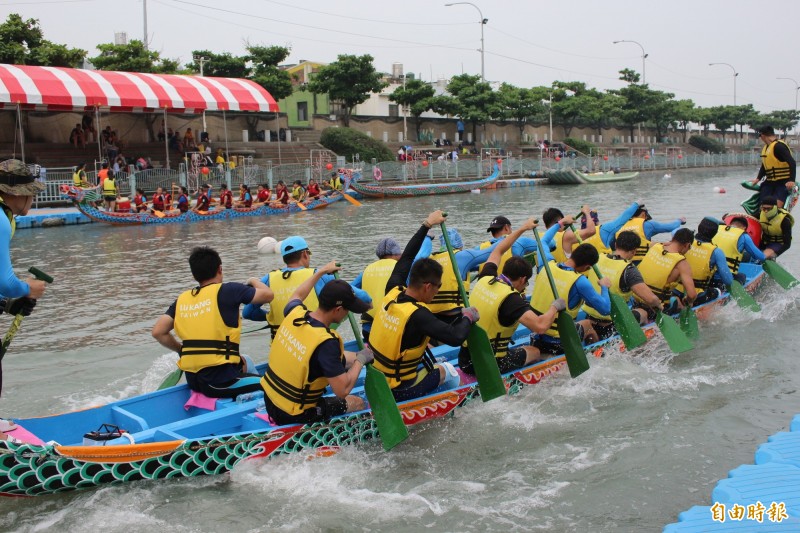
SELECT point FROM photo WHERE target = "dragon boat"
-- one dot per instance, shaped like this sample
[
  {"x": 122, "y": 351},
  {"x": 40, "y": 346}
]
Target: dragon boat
[
  {"x": 157, "y": 436},
  {"x": 81, "y": 200},
  {"x": 570, "y": 176},
  {"x": 376, "y": 190}
]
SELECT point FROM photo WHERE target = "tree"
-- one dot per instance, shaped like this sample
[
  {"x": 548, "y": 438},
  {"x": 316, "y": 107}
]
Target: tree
[
  {"x": 723, "y": 118},
  {"x": 662, "y": 112},
  {"x": 781, "y": 120},
  {"x": 685, "y": 113},
  {"x": 600, "y": 109},
  {"x": 416, "y": 96},
  {"x": 264, "y": 61},
  {"x": 475, "y": 100},
  {"x": 348, "y": 81},
  {"x": 132, "y": 57},
  {"x": 22, "y": 43},
  {"x": 641, "y": 103},
  {"x": 520, "y": 105},
  {"x": 219, "y": 65}
]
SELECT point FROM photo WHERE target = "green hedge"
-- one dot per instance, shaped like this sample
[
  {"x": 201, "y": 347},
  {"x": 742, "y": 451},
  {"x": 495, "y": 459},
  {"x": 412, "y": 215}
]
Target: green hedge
[
  {"x": 707, "y": 144},
  {"x": 579, "y": 145},
  {"x": 348, "y": 142}
]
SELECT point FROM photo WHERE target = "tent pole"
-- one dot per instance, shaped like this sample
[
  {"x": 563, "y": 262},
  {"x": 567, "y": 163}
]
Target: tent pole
[
  {"x": 225, "y": 125},
  {"x": 278, "y": 129},
  {"x": 97, "y": 136},
  {"x": 166, "y": 138},
  {"x": 21, "y": 132}
]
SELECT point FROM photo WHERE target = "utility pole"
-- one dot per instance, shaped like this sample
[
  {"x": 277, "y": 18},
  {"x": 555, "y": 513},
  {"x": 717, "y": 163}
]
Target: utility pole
[{"x": 144, "y": 9}]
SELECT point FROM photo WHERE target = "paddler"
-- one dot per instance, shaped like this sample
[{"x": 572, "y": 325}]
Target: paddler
[
  {"x": 18, "y": 187},
  {"x": 500, "y": 301},
  {"x": 203, "y": 199},
  {"x": 335, "y": 182},
  {"x": 284, "y": 282},
  {"x": 776, "y": 227},
  {"x": 573, "y": 287},
  {"x": 374, "y": 278},
  {"x": 778, "y": 168},
  {"x": 79, "y": 176},
  {"x": 110, "y": 192},
  {"x": 645, "y": 227},
  {"x": 626, "y": 280},
  {"x": 735, "y": 242},
  {"x": 206, "y": 319},
  {"x": 307, "y": 356},
  {"x": 664, "y": 266},
  {"x": 500, "y": 227},
  {"x": 404, "y": 325},
  {"x": 708, "y": 263},
  {"x": 603, "y": 237},
  {"x": 565, "y": 239}
]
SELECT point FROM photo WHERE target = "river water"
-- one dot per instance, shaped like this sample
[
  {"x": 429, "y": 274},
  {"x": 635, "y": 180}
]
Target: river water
[{"x": 625, "y": 447}]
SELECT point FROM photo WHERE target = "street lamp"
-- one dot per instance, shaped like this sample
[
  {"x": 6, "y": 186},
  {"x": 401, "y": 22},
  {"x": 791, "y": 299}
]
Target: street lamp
[
  {"x": 482, "y": 22},
  {"x": 735, "y": 74},
  {"x": 644, "y": 56},
  {"x": 796, "y": 90},
  {"x": 202, "y": 60}
]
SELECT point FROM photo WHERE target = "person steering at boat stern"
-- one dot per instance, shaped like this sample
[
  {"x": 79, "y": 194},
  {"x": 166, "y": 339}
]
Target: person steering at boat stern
[
  {"x": 574, "y": 287},
  {"x": 776, "y": 227},
  {"x": 206, "y": 318},
  {"x": 778, "y": 168},
  {"x": 18, "y": 187},
  {"x": 404, "y": 325},
  {"x": 284, "y": 282},
  {"x": 307, "y": 356},
  {"x": 500, "y": 301}
]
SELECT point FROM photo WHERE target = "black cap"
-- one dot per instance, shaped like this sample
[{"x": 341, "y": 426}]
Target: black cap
[
  {"x": 498, "y": 222},
  {"x": 643, "y": 209},
  {"x": 766, "y": 130},
  {"x": 339, "y": 292},
  {"x": 769, "y": 200}
]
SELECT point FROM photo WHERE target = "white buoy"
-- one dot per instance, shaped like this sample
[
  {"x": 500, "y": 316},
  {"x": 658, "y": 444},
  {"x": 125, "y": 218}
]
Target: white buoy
[
  {"x": 716, "y": 189},
  {"x": 475, "y": 191},
  {"x": 277, "y": 249},
  {"x": 267, "y": 245},
  {"x": 667, "y": 176}
]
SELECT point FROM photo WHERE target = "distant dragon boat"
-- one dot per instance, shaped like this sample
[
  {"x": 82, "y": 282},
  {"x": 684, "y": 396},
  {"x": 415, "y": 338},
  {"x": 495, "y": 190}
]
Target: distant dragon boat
[
  {"x": 82, "y": 197},
  {"x": 153, "y": 436},
  {"x": 376, "y": 190},
  {"x": 570, "y": 176}
]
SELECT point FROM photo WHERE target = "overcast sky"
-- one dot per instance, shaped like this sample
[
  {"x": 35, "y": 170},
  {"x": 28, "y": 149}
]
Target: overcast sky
[{"x": 527, "y": 42}]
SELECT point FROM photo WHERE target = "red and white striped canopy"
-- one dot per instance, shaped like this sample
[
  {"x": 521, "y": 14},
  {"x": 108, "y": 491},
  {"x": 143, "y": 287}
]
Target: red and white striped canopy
[{"x": 68, "y": 89}]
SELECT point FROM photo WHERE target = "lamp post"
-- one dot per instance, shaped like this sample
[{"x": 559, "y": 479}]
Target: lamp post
[
  {"x": 644, "y": 56},
  {"x": 482, "y": 22},
  {"x": 735, "y": 74},
  {"x": 202, "y": 60},
  {"x": 796, "y": 90}
]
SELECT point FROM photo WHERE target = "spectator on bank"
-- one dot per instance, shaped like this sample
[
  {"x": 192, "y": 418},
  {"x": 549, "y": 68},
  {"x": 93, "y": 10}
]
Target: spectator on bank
[
  {"x": 161, "y": 135},
  {"x": 106, "y": 135},
  {"x": 175, "y": 142},
  {"x": 76, "y": 138},
  {"x": 87, "y": 124},
  {"x": 188, "y": 140}
]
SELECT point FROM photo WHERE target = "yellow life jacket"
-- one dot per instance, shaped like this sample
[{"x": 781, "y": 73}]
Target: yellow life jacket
[
  {"x": 543, "y": 297},
  {"x": 503, "y": 258},
  {"x": 559, "y": 254},
  {"x": 613, "y": 269},
  {"x": 597, "y": 242},
  {"x": 776, "y": 170},
  {"x": 10, "y": 214},
  {"x": 77, "y": 179},
  {"x": 335, "y": 183},
  {"x": 487, "y": 296},
  {"x": 727, "y": 239},
  {"x": 207, "y": 340},
  {"x": 283, "y": 284},
  {"x": 771, "y": 228},
  {"x": 286, "y": 381},
  {"x": 386, "y": 336},
  {"x": 109, "y": 187},
  {"x": 699, "y": 258},
  {"x": 656, "y": 267},
  {"x": 448, "y": 296},
  {"x": 374, "y": 280},
  {"x": 636, "y": 225}
]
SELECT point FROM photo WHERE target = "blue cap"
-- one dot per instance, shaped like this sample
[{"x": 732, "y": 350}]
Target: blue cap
[
  {"x": 388, "y": 247},
  {"x": 455, "y": 238},
  {"x": 293, "y": 244}
]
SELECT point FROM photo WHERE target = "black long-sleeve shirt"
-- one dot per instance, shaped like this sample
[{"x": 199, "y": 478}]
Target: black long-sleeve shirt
[{"x": 422, "y": 323}]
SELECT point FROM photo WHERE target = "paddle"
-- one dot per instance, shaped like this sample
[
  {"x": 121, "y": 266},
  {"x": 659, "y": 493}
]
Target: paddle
[
  {"x": 625, "y": 323},
  {"x": 480, "y": 347},
  {"x": 159, "y": 214},
  {"x": 676, "y": 339},
  {"x": 15, "y": 325},
  {"x": 350, "y": 199},
  {"x": 743, "y": 298},
  {"x": 688, "y": 323},
  {"x": 391, "y": 427},
  {"x": 300, "y": 205},
  {"x": 779, "y": 274},
  {"x": 570, "y": 341}
]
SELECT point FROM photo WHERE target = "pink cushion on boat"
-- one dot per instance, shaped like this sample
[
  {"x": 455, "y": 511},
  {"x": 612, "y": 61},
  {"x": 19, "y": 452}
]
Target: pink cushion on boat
[
  {"x": 25, "y": 436},
  {"x": 466, "y": 379},
  {"x": 201, "y": 401},
  {"x": 265, "y": 417}
]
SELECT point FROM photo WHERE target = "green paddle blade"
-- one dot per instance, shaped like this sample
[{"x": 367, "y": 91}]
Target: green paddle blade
[
  {"x": 487, "y": 372},
  {"x": 626, "y": 323},
  {"x": 172, "y": 379},
  {"x": 688, "y": 323},
  {"x": 779, "y": 274},
  {"x": 752, "y": 205},
  {"x": 743, "y": 298},
  {"x": 387, "y": 416},
  {"x": 676, "y": 339},
  {"x": 571, "y": 342}
]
